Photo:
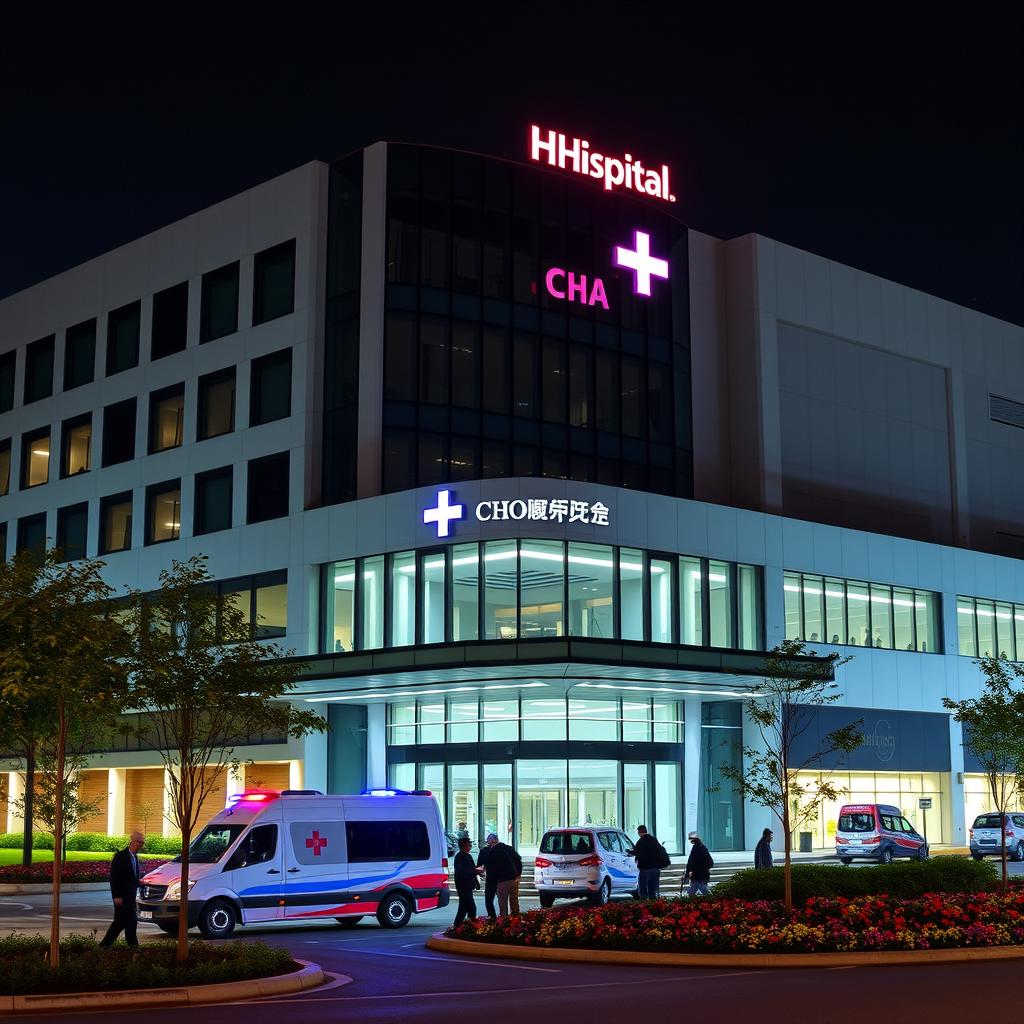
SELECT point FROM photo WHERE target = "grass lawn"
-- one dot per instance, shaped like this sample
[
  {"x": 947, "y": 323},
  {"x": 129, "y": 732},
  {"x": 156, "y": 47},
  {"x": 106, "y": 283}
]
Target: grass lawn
[{"x": 46, "y": 856}]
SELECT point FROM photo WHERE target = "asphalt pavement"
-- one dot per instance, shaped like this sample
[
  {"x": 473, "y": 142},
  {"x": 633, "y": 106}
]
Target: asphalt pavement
[{"x": 396, "y": 978}]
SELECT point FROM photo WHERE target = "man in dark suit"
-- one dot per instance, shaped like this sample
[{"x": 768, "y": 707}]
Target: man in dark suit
[{"x": 124, "y": 889}]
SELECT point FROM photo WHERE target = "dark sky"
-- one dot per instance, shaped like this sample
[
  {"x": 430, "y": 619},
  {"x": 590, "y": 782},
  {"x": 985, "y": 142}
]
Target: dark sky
[{"x": 889, "y": 137}]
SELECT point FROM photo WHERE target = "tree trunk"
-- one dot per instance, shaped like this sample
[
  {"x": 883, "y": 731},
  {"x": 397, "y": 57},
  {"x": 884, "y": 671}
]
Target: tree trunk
[
  {"x": 186, "y": 839},
  {"x": 58, "y": 845},
  {"x": 1002, "y": 826},
  {"x": 787, "y": 869},
  {"x": 30, "y": 790}
]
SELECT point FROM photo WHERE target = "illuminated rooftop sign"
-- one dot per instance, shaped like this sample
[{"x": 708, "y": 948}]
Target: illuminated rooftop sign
[{"x": 572, "y": 154}]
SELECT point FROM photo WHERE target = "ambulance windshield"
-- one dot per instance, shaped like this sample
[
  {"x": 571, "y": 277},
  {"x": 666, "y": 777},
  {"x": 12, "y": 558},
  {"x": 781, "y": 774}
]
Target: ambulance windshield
[{"x": 211, "y": 844}]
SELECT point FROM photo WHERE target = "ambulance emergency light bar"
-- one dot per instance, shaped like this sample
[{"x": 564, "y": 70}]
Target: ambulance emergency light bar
[
  {"x": 397, "y": 792},
  {"x": 263, "y": 796}
]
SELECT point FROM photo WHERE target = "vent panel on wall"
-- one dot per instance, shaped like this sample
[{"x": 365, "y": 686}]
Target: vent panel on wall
[{"x": 1006, "y": 410}]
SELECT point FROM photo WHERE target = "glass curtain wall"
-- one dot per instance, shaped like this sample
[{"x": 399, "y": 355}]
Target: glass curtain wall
[
  {"x": 531, "y": 589},
  {"x": 990, "y": 628},
  {"x": 721, "y": 803},
  {"x": 824, "y": 609}
]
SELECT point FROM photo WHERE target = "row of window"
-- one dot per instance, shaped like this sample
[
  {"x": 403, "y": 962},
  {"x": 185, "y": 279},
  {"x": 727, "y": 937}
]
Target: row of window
[
  {"x": 508, "y": 589},
  {"x": 273, "y": 296},
  {"x": 269, "y": 400},
  {"x": 267, "y": 498},
  {"x": 990, "y": 629},
  {"x": 513, "y": 718},
  {"x": 828, "y": 610}
]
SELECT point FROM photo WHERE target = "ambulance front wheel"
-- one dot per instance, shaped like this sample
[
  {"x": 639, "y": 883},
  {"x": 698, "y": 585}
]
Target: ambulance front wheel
[
  {"x": 394, "y": 911},
  {"x": 217, "y": 919}
]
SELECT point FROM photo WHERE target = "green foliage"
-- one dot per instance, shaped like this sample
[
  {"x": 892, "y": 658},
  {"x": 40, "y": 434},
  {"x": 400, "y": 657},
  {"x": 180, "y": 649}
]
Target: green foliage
[
  {"x": 902, "y": 880},
  {"x": 13, "y": 841},
  {"x": 163, "y": 844},
  {"x": 93, "y": 842},
  {"x": 85, "y": 967}
]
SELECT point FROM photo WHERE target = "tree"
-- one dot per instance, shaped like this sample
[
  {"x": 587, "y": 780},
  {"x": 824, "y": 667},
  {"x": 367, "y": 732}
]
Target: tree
[
  {"x": 207, "y": 684},
  {"x": 782, "y": 710},
  {"x": 60, "y": 672},
  {"x": 993, "y": 727}
]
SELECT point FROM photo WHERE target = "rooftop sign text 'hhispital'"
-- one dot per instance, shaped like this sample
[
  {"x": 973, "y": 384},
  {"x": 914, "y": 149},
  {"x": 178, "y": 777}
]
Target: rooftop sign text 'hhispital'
[{"x": 572, "y": 154}]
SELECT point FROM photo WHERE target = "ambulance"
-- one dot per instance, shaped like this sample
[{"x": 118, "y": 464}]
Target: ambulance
[{"x": 299, "y": 855}]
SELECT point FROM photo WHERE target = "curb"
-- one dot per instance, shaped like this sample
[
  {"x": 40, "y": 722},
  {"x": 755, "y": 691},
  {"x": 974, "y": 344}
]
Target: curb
[
  {"x": 42, "y": 888},
  {"x": 441, "y": 944},
  {"x": 309, "y": 976}
]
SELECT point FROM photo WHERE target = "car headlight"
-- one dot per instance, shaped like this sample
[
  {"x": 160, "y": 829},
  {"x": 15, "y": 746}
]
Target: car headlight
[{"x": 174, "y": 890}]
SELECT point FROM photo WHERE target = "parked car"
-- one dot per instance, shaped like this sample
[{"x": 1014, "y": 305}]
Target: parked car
[
  {"x": 283, "y": 856},
  {"x": 592, "y": 861},
  {"x": 877, "y": 832},
  {"x": 986, "y": 836}
]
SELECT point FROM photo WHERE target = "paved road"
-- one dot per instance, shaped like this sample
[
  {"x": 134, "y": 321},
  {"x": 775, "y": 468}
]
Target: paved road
[{"x": 397, "y": 978}]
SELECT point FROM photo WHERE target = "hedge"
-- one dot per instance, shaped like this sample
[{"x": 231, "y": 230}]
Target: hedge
[
  {"x": 85, "y": 967},
  {"x": 95, "y": 842},
  {"x": 906, "y": 880}
]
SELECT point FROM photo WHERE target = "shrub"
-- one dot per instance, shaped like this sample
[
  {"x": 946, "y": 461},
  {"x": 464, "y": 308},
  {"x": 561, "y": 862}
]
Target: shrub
[
  {"x": 163, "y": 844},
  {"x": 96, "y": 842},
  {"x": 85, "y": 967},
  {"x": 13, "y": 840},
  {"x": 913, "y": 878},
  {"x": 73, "y": 871}
]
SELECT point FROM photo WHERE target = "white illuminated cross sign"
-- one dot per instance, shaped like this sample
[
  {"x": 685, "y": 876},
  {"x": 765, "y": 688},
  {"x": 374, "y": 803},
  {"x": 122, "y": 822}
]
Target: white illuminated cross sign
[
  {"x": 443, "y": 513},
  {"x": 641, "y": 262}
]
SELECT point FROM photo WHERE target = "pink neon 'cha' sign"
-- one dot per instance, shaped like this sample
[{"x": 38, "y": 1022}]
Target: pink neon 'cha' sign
[
  {"x": 572, "y": 154},
  {"x": 564, "y": 284}
]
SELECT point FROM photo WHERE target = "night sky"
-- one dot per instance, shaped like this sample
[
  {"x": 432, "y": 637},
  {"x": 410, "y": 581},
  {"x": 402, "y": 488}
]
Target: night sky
[{"x": 893, "y": 142}]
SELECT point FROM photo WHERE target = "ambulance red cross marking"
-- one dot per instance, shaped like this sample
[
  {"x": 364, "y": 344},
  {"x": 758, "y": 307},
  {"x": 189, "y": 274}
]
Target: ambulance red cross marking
[{"x": 316, "y": 843}]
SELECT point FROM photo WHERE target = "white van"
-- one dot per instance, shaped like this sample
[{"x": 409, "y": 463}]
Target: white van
[{"x": 283, "y": 856}]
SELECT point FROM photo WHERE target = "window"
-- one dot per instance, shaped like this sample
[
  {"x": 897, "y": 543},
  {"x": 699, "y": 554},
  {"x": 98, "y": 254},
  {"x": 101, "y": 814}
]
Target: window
[
  {"x": 258, "y": 846},
  {"x": 213, "y": 501},
  {"x": 339, "y": 613},
  {"x": 72, "y": 526},
  {"x": 270, "y": 396},
  {"x": 403, "y": 599},
  {"x": 7, "y": 365},
  {"x": 720, "y": 603},
  {"x": 465, "y": 592},
  {"x": 268, "y": 488},
  {"x": 591, "y": 595},
  {"x": 166, "y": 418},
  {"x": 271, "y": 604},
  {"x": 216, "y": 404},
  {"x": 32, "y": 533},
  {"x": 662, "y": 613},
  {"x": 163, "y": 512},
  {"x": 170, "y": 321},
  {"x": 123, "y": 338},
  {"x": 631, "y": 593},
  {"x": 219, "y": 303},
  {"x": 39, "y": 370},
  {"x": 79, "y": 354},
  {"x": 5, "y": 467},
  {"x": 119, "y": 432},
  {"x": 35, "y": 458},
  {"x": 371, "y": 594},
  {"x": 273, "y": 286},
  {"x": 116, "y": 523},
  {"x": 370, "y": 841},
  {"x": 76, "y": 446}
]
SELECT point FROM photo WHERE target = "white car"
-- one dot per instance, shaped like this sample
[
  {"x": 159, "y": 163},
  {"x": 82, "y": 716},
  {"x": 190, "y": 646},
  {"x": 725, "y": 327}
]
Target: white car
[{"x": 595, "y": 861}]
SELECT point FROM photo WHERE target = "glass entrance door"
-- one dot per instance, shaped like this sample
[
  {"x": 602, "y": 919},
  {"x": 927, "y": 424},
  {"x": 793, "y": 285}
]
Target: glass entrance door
[{"x": 541, "y": 787}]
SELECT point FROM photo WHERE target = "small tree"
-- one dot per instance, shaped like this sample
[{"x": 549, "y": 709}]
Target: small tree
[
  {"x": 59, "y": 671},
  {"x": 993, "y": 727},
  {"x": 782, "y": 710},
  {"x": 208, "y": 684},
  {"x": 74, "y": 808}
]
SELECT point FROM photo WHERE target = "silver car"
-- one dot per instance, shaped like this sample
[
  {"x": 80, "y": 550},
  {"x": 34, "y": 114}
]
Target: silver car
[
  {"x": 987, "y": 840},
  {"x": 595, "y": 861}
]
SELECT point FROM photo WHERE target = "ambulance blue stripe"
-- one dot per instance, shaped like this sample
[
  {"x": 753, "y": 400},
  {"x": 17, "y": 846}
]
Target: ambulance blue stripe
[{"x": 324, "y": 884}]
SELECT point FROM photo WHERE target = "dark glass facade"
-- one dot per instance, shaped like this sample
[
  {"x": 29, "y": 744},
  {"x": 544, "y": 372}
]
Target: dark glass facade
[{"x": 487, "y": 374}]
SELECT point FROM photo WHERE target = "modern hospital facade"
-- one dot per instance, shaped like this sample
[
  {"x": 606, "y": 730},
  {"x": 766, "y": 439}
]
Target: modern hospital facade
[{"x": 529, "y": 476}]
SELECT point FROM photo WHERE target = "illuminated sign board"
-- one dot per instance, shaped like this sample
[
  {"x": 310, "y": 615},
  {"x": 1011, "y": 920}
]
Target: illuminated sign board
[
  {"x": 547, "y": 510},
  {"x": 625, "y": 172}
]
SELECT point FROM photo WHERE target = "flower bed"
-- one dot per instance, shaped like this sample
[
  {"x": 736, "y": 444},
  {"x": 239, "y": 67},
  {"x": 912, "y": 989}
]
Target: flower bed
[
  {"x": 72, "y": 871},
  {"x": 86, "y": 967},
  {"x": 822, "y": 925}
]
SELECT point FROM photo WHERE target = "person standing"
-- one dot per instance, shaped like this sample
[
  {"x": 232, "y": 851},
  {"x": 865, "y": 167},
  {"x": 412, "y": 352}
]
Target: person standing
[
  {"x": 650, "y": 855},
  {"x": 467, "y": 881},
  {"x": 763, "y": 851},
  {"x": 483, "y": 861},
  {"x": 124, "y": 890},
  {"x": 698, "y": 867},
  {"x": 503, "y": 868}
]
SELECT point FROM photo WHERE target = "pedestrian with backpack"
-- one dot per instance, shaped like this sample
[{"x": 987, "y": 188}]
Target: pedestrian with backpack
[{"x": 650, "y": 857}]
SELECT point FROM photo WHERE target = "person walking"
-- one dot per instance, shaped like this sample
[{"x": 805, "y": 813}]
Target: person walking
[
  {"x": 467, "y": 881},
  {"x": 124, "y": 890},
  {"x": 650, "y": 857},
  {"x": 763, "y": 851},
  {"x": 698, "y": 867},
  {"x": 503, "y": 868}
]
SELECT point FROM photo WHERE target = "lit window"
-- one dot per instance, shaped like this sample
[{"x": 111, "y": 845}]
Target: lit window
[
  {"x": 76, "y": 446},
  {"x": 116, "y": 523},
  {"x": 163, "y": 512},
  {"x": 35, "y": 458},
  {"x": 166, "y": 418}
]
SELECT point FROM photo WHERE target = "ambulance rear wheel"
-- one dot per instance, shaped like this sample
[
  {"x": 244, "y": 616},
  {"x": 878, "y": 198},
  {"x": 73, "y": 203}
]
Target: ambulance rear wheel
[
  {"x": 349, "y": 922},
  {"x": 394, "y": 911},
  {"x": 217, "y": 919}
]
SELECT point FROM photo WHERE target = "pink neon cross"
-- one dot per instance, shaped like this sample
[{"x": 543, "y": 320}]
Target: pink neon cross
[
  {"x": 641, "y": 262},
  {"x": 316, "y": 843}
]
